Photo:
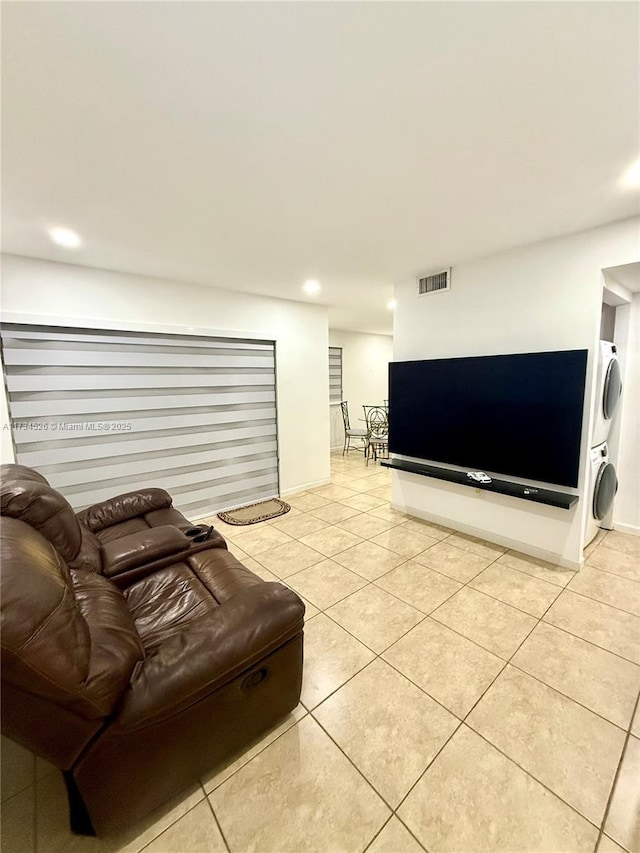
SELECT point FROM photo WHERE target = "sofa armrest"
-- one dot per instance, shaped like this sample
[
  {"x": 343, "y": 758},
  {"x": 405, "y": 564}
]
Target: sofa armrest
[
  {"x": 124, "y": 507},
  {"x": 138, "y": 549},
  {"x": 210, "y": 652}
]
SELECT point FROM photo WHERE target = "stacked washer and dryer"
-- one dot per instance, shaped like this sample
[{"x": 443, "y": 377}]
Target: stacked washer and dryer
[{"x": 603, "y": 481}]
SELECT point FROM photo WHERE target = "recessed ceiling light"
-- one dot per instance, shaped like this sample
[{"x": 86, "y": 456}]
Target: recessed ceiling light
[
  {"x": 391, "y": 304},
  {"x": 311, "y": 286},
  {"x": 631, "y": 178},
  {"x": 65, "y": 237}
]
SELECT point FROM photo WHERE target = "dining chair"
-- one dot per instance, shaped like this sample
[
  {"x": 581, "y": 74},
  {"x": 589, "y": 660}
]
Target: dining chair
[
  {"x": 377, "y": 422},
  {"x": 349, "y": 433}
]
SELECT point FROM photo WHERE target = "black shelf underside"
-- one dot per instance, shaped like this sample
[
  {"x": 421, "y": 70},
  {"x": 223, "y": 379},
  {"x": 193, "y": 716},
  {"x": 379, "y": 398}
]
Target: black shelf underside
[{"x": 550, "y": 497}]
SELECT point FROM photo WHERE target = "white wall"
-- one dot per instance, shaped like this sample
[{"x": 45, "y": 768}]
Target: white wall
[
  {"x": 6, "y": 444},
  {"x": 43, "y": 292},
  {"x": 365, "y": 376},
  {"x": 545, "y": 296}
]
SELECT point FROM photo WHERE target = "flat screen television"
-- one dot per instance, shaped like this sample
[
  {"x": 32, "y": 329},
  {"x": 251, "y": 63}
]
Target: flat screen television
[{"x": 516, "y": 415}]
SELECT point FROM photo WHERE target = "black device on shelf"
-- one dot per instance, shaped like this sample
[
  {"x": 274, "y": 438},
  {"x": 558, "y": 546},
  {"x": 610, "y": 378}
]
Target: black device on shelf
[
  {"x": 550, "y": 497},
  {"x": 517, "y": 415}
]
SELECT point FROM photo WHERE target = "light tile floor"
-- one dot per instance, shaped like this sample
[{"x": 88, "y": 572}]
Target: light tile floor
[{"x": 457, "y": 697}]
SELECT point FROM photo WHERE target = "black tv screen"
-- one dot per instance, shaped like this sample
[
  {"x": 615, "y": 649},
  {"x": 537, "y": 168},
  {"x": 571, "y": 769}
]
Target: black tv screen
[{"x": 517, "y": 415}]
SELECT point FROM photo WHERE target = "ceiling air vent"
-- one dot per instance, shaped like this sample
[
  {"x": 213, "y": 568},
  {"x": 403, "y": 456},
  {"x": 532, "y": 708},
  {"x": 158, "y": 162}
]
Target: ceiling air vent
[{"x": 435, "y": 283}]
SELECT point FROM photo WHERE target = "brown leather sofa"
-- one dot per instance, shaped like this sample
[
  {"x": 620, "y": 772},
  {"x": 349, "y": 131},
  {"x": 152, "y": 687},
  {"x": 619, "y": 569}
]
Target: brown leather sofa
[{"x": 134, "y": 659}]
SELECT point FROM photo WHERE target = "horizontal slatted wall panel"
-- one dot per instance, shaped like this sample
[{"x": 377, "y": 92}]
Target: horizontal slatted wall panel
[{"x": 101, "y": 413}]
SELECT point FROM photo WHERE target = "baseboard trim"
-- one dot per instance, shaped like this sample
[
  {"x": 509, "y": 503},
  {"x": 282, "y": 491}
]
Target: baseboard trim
[
  {"x": 626, "y": 528},
  {"x": 304, "y": 486},
  {"x": 507, "y": 542}
]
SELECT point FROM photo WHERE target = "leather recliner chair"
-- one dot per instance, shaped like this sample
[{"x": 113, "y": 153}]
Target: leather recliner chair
[{"x": 133, "y": 659}]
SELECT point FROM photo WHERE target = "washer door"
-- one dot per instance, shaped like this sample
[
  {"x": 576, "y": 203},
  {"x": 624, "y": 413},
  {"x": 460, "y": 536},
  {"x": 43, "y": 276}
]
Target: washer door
[
  {"x": 612, "y": 389},
  {"x": 604, "y": 490}
]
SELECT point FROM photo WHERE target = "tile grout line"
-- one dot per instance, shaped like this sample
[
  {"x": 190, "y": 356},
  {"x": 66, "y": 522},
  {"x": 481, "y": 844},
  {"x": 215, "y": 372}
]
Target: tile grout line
[
  {"x": 386, "y": 648},
  {"x": 421, "y": 689},
  {"x": 259, "y": 752},
  {"x": 426, "y": 769},
  {"x": 369, "y": 581},
  {"x": 425, "y": 616},
  {"x": 21, "y": 791},
  {"x": 361, "y": 773},
  {"x": 379, "y": 656},
  {"x": 217, "y": 822},
  {"x": 173, "y": 822},
  {"x": 509, "y": 660},
  {"x": 378, "y": 833},
  {"x": 599, "y": 601},
  {"x": 590, "y": 642},
  {"x": 616, "y": 776},
  {"x": 431, "y": 614},
  {"x": 515, "y": 763},
  {"x": 403, "y": 824},
  {"x": 539, "y": 620},
  {"x": 535, "y": 778},
  {"x": 511, "y": 760},
  {"x": 483, "y": 592},
  {"x": 352, "y": 763},
  {"x": 588, "y": 565},
  {"x": 570, "y": 698}
]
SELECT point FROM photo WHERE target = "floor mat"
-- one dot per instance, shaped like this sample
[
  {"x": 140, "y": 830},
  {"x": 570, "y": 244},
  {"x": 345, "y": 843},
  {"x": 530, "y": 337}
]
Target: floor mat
[{"x": 252, "y": 513}]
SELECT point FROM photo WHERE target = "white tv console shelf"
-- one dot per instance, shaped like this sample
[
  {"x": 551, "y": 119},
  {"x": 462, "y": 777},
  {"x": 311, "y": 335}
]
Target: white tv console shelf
[{"x": 550, "y": 497}]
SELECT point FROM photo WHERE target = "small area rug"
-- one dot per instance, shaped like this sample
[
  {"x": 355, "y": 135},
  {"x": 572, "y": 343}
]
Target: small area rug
[{"x": 252, "y": 513}]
